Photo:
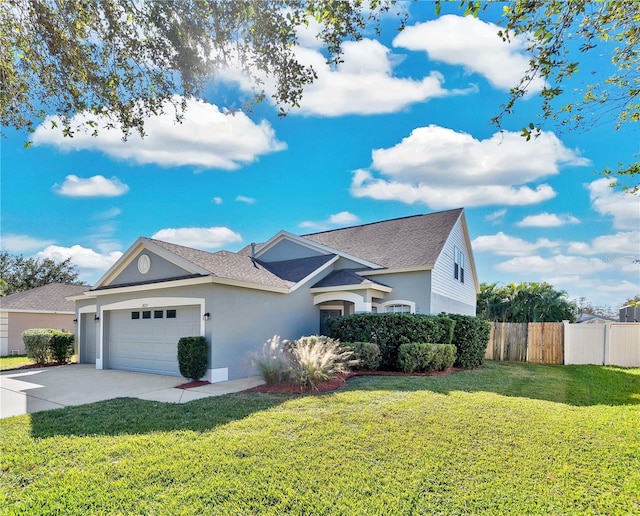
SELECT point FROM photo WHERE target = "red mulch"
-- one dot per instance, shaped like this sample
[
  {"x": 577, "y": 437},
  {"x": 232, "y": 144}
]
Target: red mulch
[
  {"x": 291, "y": 388},
  {"x": 190, "y": 385},
  {"x": 48, "y": 364}
]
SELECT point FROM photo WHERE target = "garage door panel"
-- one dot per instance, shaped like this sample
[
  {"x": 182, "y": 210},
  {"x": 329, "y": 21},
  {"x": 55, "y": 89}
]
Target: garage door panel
[{"x": 150, "y": 345}]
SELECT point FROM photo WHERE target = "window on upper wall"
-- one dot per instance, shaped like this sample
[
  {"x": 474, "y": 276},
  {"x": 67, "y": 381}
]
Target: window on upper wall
[{"x": 458, "y": 264}]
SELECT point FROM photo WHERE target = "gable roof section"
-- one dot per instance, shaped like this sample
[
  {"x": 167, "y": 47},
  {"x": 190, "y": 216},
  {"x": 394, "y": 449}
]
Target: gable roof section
[
  {"x": 298, "y": 269},
  {"x": 401, "y": 243},
  {"x": 301, "y": 240},
  {"x": 47, "y": 298}
]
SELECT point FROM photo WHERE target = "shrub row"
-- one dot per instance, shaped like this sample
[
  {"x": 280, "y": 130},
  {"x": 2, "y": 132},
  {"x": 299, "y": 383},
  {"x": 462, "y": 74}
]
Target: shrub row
[
  {"x": 390, "y": 331},
  {"x": 44, "y": 345},
  {"x": 426, "y": 358},
  {"x": 468, "y": 334}
]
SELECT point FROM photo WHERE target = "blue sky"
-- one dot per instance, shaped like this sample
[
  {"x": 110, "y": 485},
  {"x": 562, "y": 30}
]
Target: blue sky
[{"x": 402, "y": 127}]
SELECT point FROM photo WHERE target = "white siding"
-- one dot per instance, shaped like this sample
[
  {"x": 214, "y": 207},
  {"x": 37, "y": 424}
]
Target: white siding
[{"x": 444, "y": 285}]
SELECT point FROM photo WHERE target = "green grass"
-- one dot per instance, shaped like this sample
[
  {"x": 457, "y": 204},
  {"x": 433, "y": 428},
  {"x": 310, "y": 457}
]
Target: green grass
[
  {"x": 504, "y": 439},
  {"x": 13, "y": 362}
]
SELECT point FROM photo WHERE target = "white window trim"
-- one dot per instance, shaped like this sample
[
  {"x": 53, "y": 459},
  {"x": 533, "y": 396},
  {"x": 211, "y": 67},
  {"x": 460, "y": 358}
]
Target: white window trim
[{"x": 382, "y": 307}]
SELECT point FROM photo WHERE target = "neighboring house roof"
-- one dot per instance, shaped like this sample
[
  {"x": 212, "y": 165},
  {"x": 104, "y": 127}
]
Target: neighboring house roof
[
  {"x": 397, "y": 243},
  {"x": 583, "y": 318},
  {"x": 47, "y": 298}
]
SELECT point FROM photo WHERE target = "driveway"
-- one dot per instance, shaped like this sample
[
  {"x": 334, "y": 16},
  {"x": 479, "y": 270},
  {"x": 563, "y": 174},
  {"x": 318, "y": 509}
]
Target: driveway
[{"x": 25, "y": 391}]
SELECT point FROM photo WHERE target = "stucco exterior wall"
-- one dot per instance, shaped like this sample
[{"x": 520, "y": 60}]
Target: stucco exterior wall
[
  {"x": 17, "y": 322},
  {"x": 408, "y": 286}
]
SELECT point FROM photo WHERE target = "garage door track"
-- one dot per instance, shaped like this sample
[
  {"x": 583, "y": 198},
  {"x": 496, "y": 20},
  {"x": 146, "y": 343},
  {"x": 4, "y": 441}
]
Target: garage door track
[{"x": 25, "y": 391}]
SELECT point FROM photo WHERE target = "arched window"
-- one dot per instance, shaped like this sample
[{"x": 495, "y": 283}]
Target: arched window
[{"x": 398, "y": 306}]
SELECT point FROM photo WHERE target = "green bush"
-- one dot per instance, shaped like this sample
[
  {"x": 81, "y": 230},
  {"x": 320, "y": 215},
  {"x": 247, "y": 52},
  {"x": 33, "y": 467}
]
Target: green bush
[
  {"x": 61, "y": 346},
  {"x": 470, "y": 337},
  {"x": 192, "y": 357},
  {"x": 318, "y": 359},
  {"x": 390, "y": 331},
  {"x": 425, "y": 358},
  {"x": 366, "y": 353},
  {"x": 272, "y": 362},
  {"x": 36, "y": 344}
]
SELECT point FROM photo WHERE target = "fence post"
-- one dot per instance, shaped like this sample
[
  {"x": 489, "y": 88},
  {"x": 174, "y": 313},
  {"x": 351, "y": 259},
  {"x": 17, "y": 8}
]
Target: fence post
[
  {"x": 605, "y": 347},
  {"x": 565, "y": 328}
]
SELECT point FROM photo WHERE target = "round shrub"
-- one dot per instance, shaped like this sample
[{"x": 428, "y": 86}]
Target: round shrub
[
  {"x": 192, "y": 357},
  {"x": 61, "y": 346},
  {"x": 366, "y": 353},
  {"x": 36, "y": 344},
  {"x": 425, "y": 358}
]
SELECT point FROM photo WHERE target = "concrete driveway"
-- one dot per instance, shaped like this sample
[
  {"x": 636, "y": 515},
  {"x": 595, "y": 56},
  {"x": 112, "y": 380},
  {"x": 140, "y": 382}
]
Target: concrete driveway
[{"x": 25, "y": 391}]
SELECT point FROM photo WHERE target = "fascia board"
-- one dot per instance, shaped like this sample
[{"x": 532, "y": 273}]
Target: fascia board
[
  {"x": 315, "y": 273},
  {"x": 421, "y": 268},
  {"x": 465, "y": 231},
  {"x": 341, "y": 288},
  {"x": 312, "y": 245},
  {"x": 186, "y": 283},
  {"x": 29, "y": 311}
]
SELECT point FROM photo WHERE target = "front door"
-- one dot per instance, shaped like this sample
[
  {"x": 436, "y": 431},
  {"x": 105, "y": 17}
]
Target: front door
[{"x": 323, "y": 317}]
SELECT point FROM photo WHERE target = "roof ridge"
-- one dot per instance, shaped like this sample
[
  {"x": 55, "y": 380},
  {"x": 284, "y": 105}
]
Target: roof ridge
[{"x": 380, "y": 222}]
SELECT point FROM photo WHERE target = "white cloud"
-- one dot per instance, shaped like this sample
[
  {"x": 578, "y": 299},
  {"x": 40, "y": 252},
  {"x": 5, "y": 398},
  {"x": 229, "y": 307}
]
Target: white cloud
[
  {"x": 453, "y": 196},
  {"x": 547, "y": 220},
  {"x": 506, "y": 245},
  {"x": 245, "y": 199},
  {"x": 207, "y": 137},
  {"x": 109, "y": 214},
  {"x": 444, "y": 168},
  {"x": 623, "y": 207},
  {"x": 199, "y": 238},
  {"x": 81, "y": 256},
  {"x": 496, "y": 216},
  {"x": 475, "y": 45},
  {"x": 217, "y": 200},
  {"x": 627, "y": 242},
  {"x": 14, "y": 243},
  {"x": 344, "y": 218},
  {"x": 95, "y": 186},
  {"x": 555, "y": 265},
  {"x": 363, "y": 84}
]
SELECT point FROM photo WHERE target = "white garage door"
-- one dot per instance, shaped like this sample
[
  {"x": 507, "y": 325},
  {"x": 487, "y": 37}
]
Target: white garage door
[{"x": 146, "y": 339}]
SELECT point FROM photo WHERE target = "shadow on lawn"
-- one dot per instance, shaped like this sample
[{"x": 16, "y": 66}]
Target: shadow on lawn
[
  {"x": 584, "y": 385},
  {"x": 124, "y": 416}
]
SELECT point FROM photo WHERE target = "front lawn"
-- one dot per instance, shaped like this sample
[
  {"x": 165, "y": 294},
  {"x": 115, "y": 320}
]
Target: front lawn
[
  {"x": 14, "y": 362},
  {"x": 504, "y": 439}
]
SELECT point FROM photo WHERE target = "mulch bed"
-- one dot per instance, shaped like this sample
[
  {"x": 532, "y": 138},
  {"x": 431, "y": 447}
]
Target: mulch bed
[
  {"x": 339, "y": 381},
  {"x": 190, "y": 385},
  {"x": 39, "y": 366}
]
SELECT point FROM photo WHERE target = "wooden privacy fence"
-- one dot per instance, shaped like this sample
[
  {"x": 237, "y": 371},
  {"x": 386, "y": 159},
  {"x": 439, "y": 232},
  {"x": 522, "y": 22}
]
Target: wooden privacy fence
[{"x": 541, "y": 343}]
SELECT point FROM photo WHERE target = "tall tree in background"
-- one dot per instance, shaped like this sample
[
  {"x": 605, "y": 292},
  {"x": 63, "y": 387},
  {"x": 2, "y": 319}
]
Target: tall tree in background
[
  {"x": 524, "y": 302},
  {"x": 123, "y": 61},
  {"x": 19, "y": 273}
]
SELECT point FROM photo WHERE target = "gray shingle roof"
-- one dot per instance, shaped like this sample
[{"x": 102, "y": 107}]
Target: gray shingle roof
[
  {"x": 345, "y": 277},
  {"x": 47, "y": 298},
  {"x": 297, "y": 269},
  {"x": 228, "y": 265},
  {"x": 397, "y": 243}
]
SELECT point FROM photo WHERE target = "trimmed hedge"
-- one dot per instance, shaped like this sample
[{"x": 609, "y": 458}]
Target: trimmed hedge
[
  {"x": 192, "y": 357},
  {"x": 426, "y": 358},
  {"x": 470, "y": 337},
  {"x": 36, "y": 344},
  {"x": 61, "y": 346},
  {"x": 390, "y": 331},
  {"x": 367, "y": 354}
]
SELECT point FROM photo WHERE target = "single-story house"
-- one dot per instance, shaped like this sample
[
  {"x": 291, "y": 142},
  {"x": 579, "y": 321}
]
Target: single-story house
[
  {"x": 594, "y": 319},
  {"x": 41, "y": 307},
  {"x": 158, "y": 292}
]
